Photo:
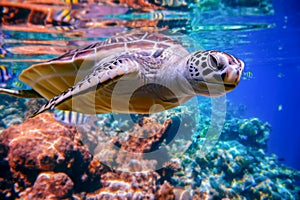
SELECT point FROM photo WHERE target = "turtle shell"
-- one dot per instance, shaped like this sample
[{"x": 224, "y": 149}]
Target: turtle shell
[{"x": 52, "y": 78}]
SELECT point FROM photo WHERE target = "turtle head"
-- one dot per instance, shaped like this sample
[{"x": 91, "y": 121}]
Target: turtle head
[{"x": 213, "y": 73}]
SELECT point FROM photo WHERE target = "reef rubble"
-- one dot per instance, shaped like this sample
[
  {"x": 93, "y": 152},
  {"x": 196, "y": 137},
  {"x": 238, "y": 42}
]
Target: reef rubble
[{"x": 45, "y": 159}]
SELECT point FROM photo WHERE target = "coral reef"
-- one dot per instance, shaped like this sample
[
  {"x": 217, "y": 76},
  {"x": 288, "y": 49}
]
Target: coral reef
[
  {"x": 50, "y": 185},
  {"x": 32, "y": 105},
  {"x": 41, "y": 145},
  {"x": 43, "y": 155},
  {"x": 125, "y": 185},
  {"x": 249, "y": 132},
  {"x": 36, "y": 146},
  {"x": 238, "y": 166},
  {"x": 142, "y": 141},
  {"x": 140, "y": 158},
  {"x": 12, "y": 110},
  {"x": 145, "y": 138}
]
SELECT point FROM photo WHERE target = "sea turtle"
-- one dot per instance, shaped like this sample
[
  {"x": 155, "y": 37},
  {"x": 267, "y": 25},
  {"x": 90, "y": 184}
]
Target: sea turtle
[{"x": 129, "y": 73}]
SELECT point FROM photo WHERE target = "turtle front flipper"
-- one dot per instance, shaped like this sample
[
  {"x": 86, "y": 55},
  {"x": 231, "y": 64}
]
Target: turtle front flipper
[
  {"x": 102, "y": 76},
  {"x": 21, "y": 93}
]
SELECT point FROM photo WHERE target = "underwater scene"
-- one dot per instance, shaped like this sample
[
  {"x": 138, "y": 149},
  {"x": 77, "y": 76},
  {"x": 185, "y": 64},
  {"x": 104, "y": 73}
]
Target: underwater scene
[{"x": 149, "y": 99}]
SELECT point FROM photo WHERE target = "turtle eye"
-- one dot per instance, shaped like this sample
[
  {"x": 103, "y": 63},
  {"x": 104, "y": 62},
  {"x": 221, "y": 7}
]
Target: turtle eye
[{"x": 215, "y": 64}]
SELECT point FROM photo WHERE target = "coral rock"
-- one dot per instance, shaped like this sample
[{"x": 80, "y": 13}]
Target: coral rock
[
  {"x": 145, "y": 137},
  {"x": 50, "y": 185},
  {"x": 165, "y": 192},
  {"x": 12, "y": 110},
  {"x": 42, "y": 144},
  {"x": 139, "y": 147},
  {"x": 167, "y": 171},
  {"x": 126, "y": 185}
]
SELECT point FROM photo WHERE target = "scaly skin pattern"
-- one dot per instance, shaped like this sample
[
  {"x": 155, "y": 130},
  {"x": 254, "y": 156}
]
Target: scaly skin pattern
[
  {"x": 210, "y": 73},
  {"x": 131, "y": 73}
]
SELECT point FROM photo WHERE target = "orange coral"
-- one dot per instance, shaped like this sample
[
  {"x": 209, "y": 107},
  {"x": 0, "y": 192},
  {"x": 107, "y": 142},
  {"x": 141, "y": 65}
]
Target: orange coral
[
  {"x": 43, "y": 155},
  {"x": 50, "y": 184},
  {"x": 43, "y": 144},
  {"x": 165, "y": 192},
  {"x": 145, "y": 137}
]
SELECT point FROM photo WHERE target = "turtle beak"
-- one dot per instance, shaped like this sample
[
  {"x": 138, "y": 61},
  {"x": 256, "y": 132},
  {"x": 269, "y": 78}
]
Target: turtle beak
[
  {"x": 240, "y": 70},
  {"x": 233, "y": 75}
]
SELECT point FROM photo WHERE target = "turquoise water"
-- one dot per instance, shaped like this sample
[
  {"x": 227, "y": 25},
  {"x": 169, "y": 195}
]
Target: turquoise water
[{"x": 263, "y": 34}]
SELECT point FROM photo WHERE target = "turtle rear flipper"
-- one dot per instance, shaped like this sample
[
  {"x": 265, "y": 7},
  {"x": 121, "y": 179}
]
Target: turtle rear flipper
[
  {"x": 104, "y": 75},
  {"x": 21, "y": 93}
]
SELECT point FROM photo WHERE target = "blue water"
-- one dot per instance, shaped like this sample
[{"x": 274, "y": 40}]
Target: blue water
[
  {"x": 273, "y": 93},
  {"x": 268, "y": 44},
  {"x": 271, "y": 54}
]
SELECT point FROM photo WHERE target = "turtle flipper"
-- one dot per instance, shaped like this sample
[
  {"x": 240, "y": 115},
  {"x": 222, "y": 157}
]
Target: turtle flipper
[
  {"x": 105, "y": 74},
  {"x": 21, "y": 93}
]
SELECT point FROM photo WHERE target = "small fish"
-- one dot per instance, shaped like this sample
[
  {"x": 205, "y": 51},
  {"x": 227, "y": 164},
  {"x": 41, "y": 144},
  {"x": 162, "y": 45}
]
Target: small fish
[
  {"x": 71, "y": 118},
  {"x": 64, "y": 28},
  {"x": 5, "y": 75},
  {"x": 158, "y": 15},
  {"x": 172, "y": 3},
  {"x": 18, "y": 85},
  {"x": 247, "y": 75},
  {"x": 63, "y": 16},
  {"x": 280, "y": 75},
  {"x": 63, "y": 20},
  {"x": 72, "y": 1}
]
